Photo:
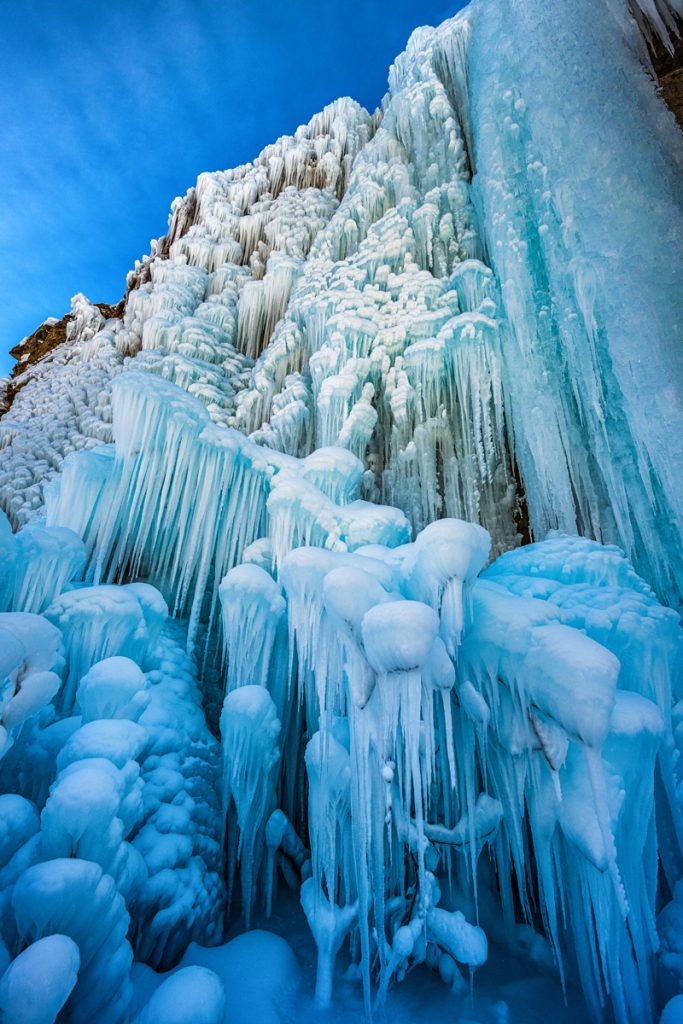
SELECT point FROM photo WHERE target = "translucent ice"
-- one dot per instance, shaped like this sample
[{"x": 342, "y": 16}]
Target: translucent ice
[
  {"x": 352, "y": 372},
  {"x": 249, "y": 730}
]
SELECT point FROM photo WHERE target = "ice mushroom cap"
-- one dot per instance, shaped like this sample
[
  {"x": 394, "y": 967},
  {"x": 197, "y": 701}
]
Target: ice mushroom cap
[{"x": 398, "y": 635}]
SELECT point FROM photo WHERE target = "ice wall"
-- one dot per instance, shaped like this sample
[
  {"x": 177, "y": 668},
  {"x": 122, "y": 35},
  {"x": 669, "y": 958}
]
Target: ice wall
[
  {"x": 527, "y": 713},
  {"x": 589, "y": 284},
  {"x": 444, "y": 288},
  {"x": 179, "y": 499},
  {"x": 283, "y": 494},
  {"x": 395, "y": 319},
  {"x": 197, "y": 310}
]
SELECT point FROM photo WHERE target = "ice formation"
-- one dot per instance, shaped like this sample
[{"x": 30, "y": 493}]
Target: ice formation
[{"x": 347, "y": 555}]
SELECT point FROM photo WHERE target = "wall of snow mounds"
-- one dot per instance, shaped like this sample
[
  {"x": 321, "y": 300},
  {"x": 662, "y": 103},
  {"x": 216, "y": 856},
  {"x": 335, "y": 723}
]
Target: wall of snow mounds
[{"x": 266, "y": 618}]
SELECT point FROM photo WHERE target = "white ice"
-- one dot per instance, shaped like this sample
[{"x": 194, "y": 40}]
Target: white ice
[{"x": 280, "y": 496}]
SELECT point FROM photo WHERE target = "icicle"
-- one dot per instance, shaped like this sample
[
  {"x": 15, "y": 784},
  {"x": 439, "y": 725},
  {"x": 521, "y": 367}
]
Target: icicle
[
  {"x": 329, "y": 925},
  {"x": 252, "y": 609},
  {"x": 249, "y": 730}
]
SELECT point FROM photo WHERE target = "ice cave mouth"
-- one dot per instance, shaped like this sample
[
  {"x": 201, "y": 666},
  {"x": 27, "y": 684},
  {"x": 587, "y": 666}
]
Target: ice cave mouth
[{"x": 340, "y": 567}]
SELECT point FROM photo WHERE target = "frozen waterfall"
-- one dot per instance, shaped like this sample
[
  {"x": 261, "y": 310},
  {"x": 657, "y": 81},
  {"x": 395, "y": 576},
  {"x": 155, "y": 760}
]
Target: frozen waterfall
[{"x": 340, "y": 575}]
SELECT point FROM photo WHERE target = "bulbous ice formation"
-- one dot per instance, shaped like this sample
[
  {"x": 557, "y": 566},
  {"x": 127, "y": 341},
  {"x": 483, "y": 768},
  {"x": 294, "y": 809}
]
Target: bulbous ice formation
[
  {"x": 113, "y": 688},
  {"x": 132, "y": 624},
  {"x": 37, "y": 984},
  {"x": 445, "y": 559},
  {"x": 75, "y": 898},
  {"x": 191, "y": 994}
]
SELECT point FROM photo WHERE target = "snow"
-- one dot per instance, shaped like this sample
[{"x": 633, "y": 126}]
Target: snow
[{"x": 281, "y": 501}]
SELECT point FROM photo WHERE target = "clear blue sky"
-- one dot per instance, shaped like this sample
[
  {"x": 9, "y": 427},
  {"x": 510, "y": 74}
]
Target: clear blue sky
[{"x": 110, "y": 108}]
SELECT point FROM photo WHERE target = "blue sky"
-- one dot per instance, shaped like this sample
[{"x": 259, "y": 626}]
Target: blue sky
[{"x": 110, "y": 109}]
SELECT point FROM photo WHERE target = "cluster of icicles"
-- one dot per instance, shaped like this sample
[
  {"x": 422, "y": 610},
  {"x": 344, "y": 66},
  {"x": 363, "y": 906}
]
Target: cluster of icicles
[
  {"x": 469, "y": 740},
  {"x": 434, "y": 750},
  {"x": 447, "y": 716}
]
